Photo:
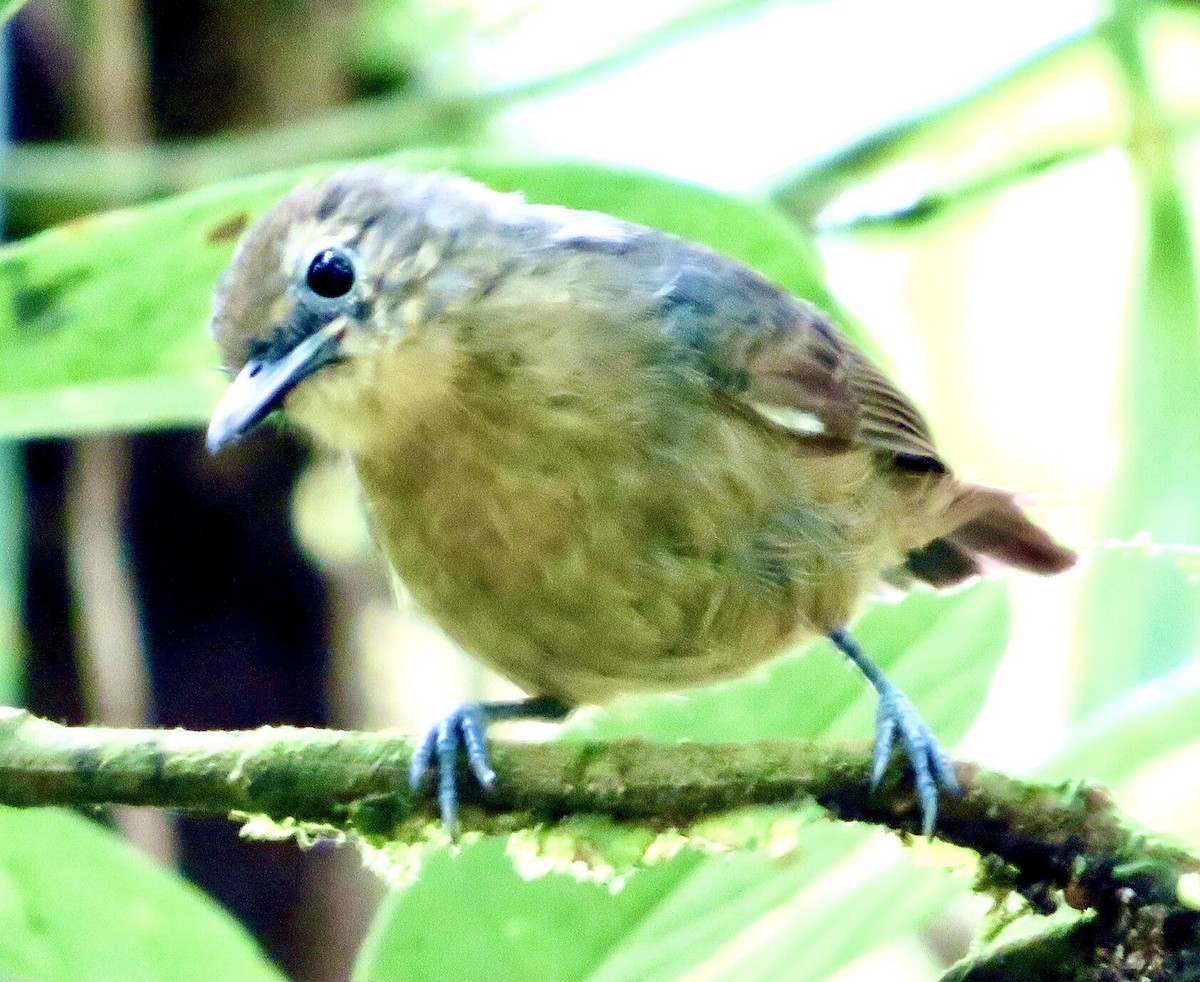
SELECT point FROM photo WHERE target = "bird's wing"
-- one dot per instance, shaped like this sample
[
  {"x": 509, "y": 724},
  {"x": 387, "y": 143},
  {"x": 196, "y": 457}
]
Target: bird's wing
[
  {"x": 810, "y": 379},
  {"x": 784, "y": 360}
]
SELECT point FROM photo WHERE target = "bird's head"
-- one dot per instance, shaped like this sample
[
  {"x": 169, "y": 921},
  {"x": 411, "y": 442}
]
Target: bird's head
[{"x": 335, "y": 302}]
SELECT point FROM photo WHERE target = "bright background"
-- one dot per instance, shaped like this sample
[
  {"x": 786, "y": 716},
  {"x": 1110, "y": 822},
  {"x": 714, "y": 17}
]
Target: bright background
[{"x": 1001, "y": 197}]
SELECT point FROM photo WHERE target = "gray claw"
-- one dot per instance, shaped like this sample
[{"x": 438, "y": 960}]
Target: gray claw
[
  {"x": 462, "y": 729},
  {"x": 931, "y": 767}
]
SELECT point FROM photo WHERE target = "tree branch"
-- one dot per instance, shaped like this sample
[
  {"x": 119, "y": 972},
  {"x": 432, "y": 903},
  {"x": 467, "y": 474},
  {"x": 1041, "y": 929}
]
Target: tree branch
[
  {"x": 1150, "y": 944},
  {"x": 1034, "y": 838},
  {"x": 1038, "y": 837}
]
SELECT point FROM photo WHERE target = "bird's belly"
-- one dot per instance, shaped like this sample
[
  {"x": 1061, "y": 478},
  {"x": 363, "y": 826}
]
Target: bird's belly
[
  {"x": 584, "y": 576},
  {"x": 587, "y": 613}
]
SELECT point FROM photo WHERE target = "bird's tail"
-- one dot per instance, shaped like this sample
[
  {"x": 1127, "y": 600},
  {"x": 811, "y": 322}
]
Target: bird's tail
[{"x": 986, "y": 524}]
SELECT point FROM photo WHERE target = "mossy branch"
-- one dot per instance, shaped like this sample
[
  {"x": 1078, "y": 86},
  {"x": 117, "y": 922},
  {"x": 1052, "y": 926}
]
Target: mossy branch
[
  {"x": 1035, "y": 838},
  {"x": 1039, "y": 836},
  {"x": 1149, "y": 944}
]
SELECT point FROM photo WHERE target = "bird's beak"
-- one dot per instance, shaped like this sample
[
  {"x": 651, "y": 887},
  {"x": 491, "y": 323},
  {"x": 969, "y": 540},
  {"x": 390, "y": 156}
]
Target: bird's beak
[{"x": 259, "y": 388}]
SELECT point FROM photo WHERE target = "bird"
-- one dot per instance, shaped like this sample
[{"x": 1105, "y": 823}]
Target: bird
[{"x": 603, "y": 459}]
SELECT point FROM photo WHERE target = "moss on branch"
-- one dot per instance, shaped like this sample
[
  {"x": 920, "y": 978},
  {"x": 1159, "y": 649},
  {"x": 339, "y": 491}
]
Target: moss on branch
[{"x": 1037, "y": 837}]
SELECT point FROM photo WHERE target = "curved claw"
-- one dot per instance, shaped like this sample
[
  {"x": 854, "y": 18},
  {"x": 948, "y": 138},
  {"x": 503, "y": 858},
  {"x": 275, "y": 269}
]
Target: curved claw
[
  {"x": 462, "y": 730},
  {"x": 931, "y": 767}
]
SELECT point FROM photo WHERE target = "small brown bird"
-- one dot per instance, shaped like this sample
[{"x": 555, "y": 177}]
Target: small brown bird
[{"x": 604, "y": 459}]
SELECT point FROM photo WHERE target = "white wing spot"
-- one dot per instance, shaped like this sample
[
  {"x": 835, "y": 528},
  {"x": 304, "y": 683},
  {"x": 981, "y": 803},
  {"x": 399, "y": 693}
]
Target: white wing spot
[{"x": 795, "y": 420}]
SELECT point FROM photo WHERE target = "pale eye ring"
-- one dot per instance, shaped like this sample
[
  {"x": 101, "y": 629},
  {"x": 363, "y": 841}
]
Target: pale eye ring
[{"x": 330, "y": 274}]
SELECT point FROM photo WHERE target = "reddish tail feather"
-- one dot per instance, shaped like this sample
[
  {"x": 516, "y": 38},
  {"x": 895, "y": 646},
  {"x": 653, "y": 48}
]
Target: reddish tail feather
[{"x": 997, "y": 529}]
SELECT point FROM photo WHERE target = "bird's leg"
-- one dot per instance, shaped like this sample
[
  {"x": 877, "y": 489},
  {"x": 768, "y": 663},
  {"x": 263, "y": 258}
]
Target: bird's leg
[
  {"x": 931, "y": 767},
  {"x": 464, "y": 730}
]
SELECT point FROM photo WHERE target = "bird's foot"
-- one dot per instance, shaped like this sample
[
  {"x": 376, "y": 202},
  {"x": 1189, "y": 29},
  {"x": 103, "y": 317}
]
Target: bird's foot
[
  {"x": 463, "y": 730},
  {"x": 931, "y": 767},
  {"x": 897, "y": 716}
]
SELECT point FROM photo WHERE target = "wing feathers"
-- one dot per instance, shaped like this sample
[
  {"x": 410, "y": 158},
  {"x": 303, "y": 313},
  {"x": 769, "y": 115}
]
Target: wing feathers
[{"x": 808, "y": 370}]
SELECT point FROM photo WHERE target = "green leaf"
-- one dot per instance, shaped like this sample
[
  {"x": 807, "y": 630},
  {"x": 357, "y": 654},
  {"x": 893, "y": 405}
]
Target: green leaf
[
  {"x": 77, "y": 903},
  {"x": 804, "y": 922},
  {"x": 1146, "y": 721},
  {"x": 501, "y": 926},
  {"x": 800, "y": 917},
  {"x": 1127, "y": 734},
  {"x": 395, "y": 36},
  {"x": 102, "y": 321},
  {"x": 1139, "y": 619}
]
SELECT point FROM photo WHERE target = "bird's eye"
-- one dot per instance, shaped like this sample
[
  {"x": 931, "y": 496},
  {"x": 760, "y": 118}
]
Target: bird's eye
[{"x": 330, "y": 274}]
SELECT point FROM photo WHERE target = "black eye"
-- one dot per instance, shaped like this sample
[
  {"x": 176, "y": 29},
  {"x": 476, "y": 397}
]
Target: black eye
[{"x": 330, "y": 274}]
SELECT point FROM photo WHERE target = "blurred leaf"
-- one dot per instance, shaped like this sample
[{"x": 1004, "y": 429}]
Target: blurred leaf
[
  {"x": 102, "y": 321},
  {"x": 527, "y": 48},
  {"x": 393, "y": 39},
  {"x": 89, "y": 177},
  {"x": 803, "y": 917},
  {"x": 1062, "y": 104},
  {"x": 1156, "y": 718},
  {"x": 1139, "y": 619},
  {"x": 1136, "y": 622},
  {"x": 436, "y": 113},
  {"x": 503, "y": 927},
  {"x": 806, "y": 911},
  {"x": 78, "y": 903},
  {"x": 957, "y": 144}
]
